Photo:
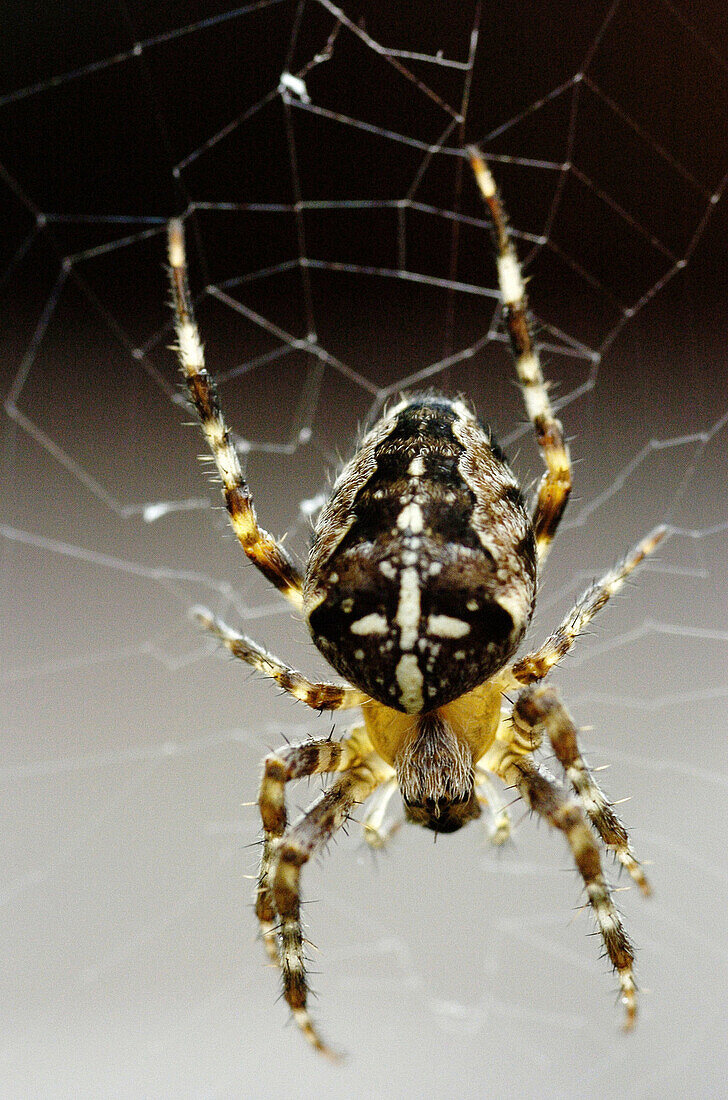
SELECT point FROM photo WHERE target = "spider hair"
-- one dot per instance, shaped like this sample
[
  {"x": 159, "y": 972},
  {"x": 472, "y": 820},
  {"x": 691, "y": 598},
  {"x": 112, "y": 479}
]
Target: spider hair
[
  {"x": 436, "y": 777},
  {"x": 418, "y": 588}
]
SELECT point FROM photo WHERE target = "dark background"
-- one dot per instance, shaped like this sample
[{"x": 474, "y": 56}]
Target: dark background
[{"x": 130, "y": 748}]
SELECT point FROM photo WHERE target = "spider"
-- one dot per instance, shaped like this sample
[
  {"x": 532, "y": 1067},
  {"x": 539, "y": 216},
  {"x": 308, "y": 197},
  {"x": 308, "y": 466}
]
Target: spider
[{"x": 420, "y": 583}]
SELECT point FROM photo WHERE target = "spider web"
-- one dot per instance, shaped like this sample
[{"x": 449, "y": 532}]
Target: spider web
[{"x": 340, "y": 254}]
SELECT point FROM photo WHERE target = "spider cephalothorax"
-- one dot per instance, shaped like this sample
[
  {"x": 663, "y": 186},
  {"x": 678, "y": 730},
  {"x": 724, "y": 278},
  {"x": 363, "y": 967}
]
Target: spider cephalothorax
[
  {"x": 419, "y": 586},
  {"x": 436, "y": 776}
]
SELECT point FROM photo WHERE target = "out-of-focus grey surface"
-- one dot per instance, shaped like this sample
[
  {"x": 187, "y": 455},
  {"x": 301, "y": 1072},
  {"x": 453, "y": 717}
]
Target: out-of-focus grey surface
[{"x": 131, "y": 748}]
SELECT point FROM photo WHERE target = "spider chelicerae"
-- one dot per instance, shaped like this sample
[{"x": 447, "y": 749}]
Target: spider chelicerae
[{"x": 419, "y": 586}]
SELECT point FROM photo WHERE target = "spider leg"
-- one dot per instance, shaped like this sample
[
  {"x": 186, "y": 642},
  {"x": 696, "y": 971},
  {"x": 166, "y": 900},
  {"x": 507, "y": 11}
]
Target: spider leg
[
  {"x": 534, "y": 666},
  {"x": 262, "y": 549},
  {"x": 289, "y": 762},
  {"x": 548, "y": 799},
  {"x": 555, "y": 486},
  {"x": 541, "y": 705},
  {"x": 293, "y": 850},
  {"x": 317, "y": 695}
]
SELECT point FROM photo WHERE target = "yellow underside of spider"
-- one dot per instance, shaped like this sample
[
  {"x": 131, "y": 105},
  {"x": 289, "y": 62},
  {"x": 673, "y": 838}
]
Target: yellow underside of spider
[{"x": 475, "y": 719}]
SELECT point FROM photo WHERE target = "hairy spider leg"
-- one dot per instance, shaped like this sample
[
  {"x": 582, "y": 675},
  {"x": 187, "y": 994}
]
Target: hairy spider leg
[
  {"x": 542, "y": 705},
  {"x": 555, "y": 486},
  {"x": 284, "y": 853},
  {"x": 553, "y": 803},
  {"x": 289, "y": 762},
  {"x": 315, "y": 694},
  {"x": 262, "y": 549},
  {"x": 534, "y": 666}
]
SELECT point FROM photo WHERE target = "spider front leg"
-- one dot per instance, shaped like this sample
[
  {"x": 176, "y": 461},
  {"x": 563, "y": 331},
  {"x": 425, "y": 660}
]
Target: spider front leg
[
  {"x": 539, "y": 708},
  {"x": 291, "y": 852},
  {"x": 262, "y": 549},
  {"x": 284, "y": 853},
  {"x": 279, "y": 768},
  {"x": 555, "y": 486}
]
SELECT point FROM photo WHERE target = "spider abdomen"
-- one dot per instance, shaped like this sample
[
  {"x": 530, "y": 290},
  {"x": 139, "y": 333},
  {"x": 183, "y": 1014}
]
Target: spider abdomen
[{"x": 421, "y": 577}]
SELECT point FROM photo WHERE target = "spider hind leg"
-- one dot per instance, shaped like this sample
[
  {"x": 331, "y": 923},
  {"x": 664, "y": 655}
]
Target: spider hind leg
[
  {"x": 555, "y": 486},
  {"x": 263, "y": 550}
]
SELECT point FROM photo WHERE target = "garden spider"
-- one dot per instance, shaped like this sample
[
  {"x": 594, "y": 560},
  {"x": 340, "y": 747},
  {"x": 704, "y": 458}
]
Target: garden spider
[{"x": 419, "y": 586}]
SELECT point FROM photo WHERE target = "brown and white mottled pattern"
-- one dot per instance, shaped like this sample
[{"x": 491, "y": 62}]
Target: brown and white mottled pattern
[
  {"x": 436, "y": 777},
  {"x": 303, "y": 840},
  {"x": 422, "y": 572},
  {"x": 317, "y": 695},
  {"x": 538, "y": 708},
  {"x": 541, "y": 706},
  {"x": 534, "y": 666},
  {"x": 279, "y": 768},
  {"x": 547, "y": 799},
  {"x": 262, "y": 549},
  {"x": 500, "y": 521},
  {"x": 420, "y": 583},
  {"x": 555, "y": 487},
  {"x": 278, "y": 899},
  {"x": 338, "y": 514}
]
